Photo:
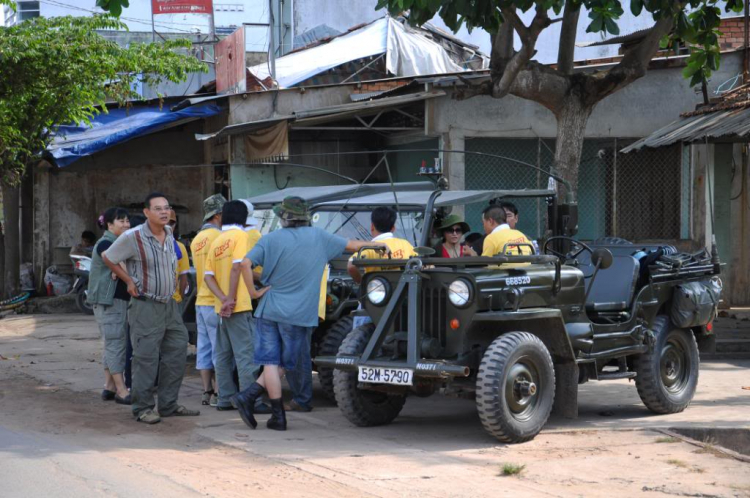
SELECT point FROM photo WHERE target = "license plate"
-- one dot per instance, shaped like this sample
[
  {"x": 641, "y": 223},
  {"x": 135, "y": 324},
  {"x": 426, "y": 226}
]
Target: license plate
[{"x": 379, "y": 375}]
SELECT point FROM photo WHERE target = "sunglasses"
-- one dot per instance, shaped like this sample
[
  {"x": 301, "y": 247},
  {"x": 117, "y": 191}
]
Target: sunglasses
[{"x": 454, "y": 230}]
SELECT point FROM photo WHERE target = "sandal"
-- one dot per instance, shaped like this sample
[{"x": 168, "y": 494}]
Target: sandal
[
  {"x": 148, "y": 417},
  {"x": 206, "y": 399}
]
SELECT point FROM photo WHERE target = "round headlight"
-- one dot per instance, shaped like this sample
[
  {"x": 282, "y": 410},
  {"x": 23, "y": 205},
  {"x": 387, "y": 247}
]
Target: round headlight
[
  {"x": 377, "y": 290},
  {"x": 459, "y": 293}
]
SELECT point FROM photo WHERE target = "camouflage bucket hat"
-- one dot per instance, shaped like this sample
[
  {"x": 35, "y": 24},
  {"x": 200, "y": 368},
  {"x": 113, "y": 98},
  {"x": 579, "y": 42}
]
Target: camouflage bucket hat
[
  {"x": 212, "y": 206},
  {"x": 293, "y": 209}
]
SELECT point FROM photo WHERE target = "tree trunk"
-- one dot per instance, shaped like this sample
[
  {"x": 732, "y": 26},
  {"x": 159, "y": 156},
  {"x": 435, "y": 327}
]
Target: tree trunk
[
  {"x": 571, "y": 131},
  {"x": 27, "y": 217},
  {"x": 12, "y": 240},
  {"x": 2, "y": 260}
]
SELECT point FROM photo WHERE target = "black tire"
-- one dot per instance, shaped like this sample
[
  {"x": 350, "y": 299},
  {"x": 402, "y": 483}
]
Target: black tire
[
  {"x": 329, "y": 346},
  {"x": 83, "y": 303},
  {"x": 668, "y": 375},
  {"x": 361, "y": 407},
  {"x": 506, "y": 413},
  {"x": 611, "y": 241}
]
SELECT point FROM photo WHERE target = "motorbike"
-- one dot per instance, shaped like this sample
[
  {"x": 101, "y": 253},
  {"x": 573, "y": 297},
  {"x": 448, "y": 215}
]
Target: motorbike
[{"x": 81, "y": 269}]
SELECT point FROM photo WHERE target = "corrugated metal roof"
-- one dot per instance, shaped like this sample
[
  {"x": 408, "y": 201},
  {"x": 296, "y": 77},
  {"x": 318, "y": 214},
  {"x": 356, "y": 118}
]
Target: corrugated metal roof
[
  {"x": 731, "y": 125},
  {"x": 326, "y": 113},
  {"x": 617, "y": 40}
]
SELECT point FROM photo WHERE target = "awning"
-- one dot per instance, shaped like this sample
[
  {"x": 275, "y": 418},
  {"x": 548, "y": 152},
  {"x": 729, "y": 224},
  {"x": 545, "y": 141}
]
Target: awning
[
  {"x": 730, "y": 125},
  {"x": 325, "y": 114},
  {"x": 119, "y": 125}
]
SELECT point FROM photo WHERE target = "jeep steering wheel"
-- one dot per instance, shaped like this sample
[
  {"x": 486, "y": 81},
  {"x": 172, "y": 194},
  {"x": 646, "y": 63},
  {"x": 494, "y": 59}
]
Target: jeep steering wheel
[{"x": 578, "y": 248}]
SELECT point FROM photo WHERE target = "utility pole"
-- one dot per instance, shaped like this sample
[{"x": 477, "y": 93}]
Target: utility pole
[{"x": 271, "y": 42}]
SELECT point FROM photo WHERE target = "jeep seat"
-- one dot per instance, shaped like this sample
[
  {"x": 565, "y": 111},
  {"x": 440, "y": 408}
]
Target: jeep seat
[{"x": 613, "y": 288}]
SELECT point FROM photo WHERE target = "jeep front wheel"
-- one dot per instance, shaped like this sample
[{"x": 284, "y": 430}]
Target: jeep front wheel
[
  {"x": 668, "y": 374},
  {"x": 329, "y": 346},
  {"x": 362, "y": 407},
  {"x": 515, "y": 387}
]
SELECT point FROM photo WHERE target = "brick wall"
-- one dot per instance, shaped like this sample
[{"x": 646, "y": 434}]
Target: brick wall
[{"x": 732, "y": 33}]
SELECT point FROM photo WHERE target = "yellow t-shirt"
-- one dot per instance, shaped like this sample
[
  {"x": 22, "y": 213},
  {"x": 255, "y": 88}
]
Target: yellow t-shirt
[
  {"x": 199, "y": 248},
  {"x": 227, "y": 249},
  {"x": 494, "y": 243},
  {"x": 400, "y": 249},
  {"x": 183, "y": 267},
  {"x": 253, "y": 236},
  {"x": 323, "y": 295}
]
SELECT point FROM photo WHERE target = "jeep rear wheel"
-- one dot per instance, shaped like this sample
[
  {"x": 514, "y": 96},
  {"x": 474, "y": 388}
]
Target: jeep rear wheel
[
  {"x": 329, "y": 346},
  {"x": 515, "y": 387},
  {"x": 668, "y": 374},
  {"x": 362, "y": 407}
]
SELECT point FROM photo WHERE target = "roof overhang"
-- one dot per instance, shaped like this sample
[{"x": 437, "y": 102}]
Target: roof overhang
[
  {"x": 331, "y": 193},
  {"x": 326, "y": 114},
  {"x": 732, "y": 125}
]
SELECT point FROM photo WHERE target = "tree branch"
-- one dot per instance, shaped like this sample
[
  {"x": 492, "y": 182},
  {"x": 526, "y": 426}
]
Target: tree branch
[
  {"x": 543, "y": 85},
  {"x": 520, "y": 59},
  {"x": 502, "y": 49},
  {"x": 634, "y": 63},
  {"x": 566, "y": 50}
]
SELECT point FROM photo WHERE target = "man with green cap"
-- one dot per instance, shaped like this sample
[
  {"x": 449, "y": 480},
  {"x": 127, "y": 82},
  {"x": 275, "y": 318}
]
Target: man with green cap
[
  {"x": 206, "y": 318},
  {"x": 293, "y": 261}
]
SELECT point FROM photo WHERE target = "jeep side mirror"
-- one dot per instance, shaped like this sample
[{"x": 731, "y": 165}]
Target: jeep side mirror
[{"x": 602, "y": 258}]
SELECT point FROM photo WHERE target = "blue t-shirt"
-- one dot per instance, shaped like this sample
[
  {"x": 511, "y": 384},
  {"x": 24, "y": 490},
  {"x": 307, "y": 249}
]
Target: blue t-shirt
[{"x": 293, "y": 261}]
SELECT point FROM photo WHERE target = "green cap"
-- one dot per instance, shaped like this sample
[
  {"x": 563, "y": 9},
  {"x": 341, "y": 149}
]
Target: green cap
[
  {"x": 453, "y": 219},
  {"x": 293, "y": 209},
  {"x": 212, "y": 206}
]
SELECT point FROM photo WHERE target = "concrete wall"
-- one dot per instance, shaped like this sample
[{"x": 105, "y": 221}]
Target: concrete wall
[{"x": 69, "y": 200}]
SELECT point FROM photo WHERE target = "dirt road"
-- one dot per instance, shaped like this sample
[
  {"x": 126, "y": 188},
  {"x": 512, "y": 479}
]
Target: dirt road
[{"x": 57, "y": 438}]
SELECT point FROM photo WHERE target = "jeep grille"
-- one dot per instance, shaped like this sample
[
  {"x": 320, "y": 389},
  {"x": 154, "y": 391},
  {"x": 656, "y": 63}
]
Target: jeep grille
[{"x": 433, "y": 310}]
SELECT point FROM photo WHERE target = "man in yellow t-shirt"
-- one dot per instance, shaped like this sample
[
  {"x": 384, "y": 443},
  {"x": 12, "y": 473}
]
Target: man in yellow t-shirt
[
  {"x": 206, "y": 319},
  {"x": 500, "y": 236},
  {"x": 183, "y": 264},
  {"x": 382, "y": 227},
  {"x": 235, "y": 337}
]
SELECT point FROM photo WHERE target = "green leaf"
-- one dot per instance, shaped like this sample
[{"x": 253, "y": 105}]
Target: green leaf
[
  {"x": 596, "y": 25},
  {"x": 636, "y": 6},
  {"x": 611, "y": 26}
]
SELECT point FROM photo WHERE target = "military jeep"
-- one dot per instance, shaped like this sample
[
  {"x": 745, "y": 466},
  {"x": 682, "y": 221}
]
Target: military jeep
[
  {"x": 518, "y": 333},
  {"x": 330, "y": 212}
]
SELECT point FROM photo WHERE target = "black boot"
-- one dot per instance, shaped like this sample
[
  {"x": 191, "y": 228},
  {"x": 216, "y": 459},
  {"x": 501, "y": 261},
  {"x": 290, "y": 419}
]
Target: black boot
[
  {"x": 277, "y": 421},
  {"x": 244, "y": 401}
]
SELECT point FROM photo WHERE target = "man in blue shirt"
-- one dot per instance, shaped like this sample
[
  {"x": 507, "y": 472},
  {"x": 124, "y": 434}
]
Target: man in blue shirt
[{"x": 293, "y": 261}]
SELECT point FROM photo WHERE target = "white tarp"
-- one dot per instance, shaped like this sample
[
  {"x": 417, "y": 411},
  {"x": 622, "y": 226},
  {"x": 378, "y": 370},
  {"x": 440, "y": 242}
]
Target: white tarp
[{"x": 407, "y": 54}]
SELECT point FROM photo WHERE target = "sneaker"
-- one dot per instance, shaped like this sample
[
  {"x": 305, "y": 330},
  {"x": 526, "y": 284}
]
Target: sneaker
[
  {"x": 214, "y": 400},
  {"x": 149, "y": 417}
]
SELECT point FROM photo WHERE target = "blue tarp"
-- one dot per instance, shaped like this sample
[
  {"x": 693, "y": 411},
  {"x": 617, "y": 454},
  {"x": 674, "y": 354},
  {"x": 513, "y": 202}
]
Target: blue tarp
[{"x": 119, "y": 125}]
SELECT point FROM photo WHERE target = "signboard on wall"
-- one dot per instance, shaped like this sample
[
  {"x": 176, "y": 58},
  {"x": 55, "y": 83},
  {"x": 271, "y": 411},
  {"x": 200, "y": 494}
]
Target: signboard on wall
[
  {"x": 230, "y": 63},
  {"x": 182, "y": 7}
]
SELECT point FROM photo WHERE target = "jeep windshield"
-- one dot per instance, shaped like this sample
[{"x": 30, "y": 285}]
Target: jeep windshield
[{"x": 356, "y": 224}]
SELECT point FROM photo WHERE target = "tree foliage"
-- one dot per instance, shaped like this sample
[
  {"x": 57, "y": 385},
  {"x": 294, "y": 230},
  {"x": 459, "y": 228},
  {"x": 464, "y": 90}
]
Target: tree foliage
[
  {"x": 696, "y": 22},
  {"x": 60, "y": 70}
]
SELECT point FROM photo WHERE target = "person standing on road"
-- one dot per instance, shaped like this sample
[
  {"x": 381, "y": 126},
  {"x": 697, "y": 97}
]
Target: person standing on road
[
  {"x": 109, "y": 297},
  {"x": 235, "y": 337},
  {"x": 293, "y": 260},
  {"x": 159, "y": 337},
  {"x": 206, "y": 318}
]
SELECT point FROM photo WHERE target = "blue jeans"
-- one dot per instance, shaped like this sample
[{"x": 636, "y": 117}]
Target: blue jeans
[
  {"x": 278, "y": 343},
  {"x": 300, "y": 379}
]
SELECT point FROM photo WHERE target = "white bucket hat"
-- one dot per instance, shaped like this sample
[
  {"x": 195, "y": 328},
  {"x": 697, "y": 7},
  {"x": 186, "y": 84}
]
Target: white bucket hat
[{"x": 251, "y": 222}]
